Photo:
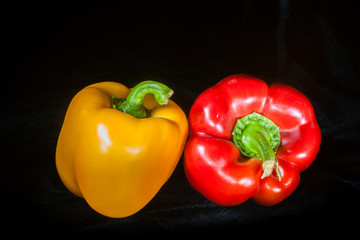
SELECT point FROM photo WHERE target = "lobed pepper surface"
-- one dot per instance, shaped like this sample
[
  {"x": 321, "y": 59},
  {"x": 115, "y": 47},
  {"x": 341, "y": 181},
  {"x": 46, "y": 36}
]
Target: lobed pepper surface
[
  {"x": 114, "y": 152},
  {"x": 250, "y": 140}
]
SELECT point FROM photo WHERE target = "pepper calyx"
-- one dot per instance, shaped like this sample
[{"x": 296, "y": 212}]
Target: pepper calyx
[
  {"x": 133, "y": 103},
  {"x": 257, "y": 136}
]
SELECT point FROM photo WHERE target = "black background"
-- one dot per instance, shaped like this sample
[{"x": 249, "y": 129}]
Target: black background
[{"x": 53, "y": 49}]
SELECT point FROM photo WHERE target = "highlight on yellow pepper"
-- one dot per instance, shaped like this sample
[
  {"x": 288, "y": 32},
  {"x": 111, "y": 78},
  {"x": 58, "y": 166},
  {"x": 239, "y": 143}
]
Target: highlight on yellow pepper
[{"x": 117, "y": 147}]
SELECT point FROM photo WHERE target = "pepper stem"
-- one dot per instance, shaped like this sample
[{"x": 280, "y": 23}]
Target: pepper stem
[
  {"x": 133, "y": 104},
  {"x": 257, "y": 136}
]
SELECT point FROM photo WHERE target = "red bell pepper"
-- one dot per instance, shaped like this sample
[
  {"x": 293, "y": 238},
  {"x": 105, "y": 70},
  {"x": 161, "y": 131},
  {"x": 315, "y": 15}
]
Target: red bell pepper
[{"x": 250, "y": 140}]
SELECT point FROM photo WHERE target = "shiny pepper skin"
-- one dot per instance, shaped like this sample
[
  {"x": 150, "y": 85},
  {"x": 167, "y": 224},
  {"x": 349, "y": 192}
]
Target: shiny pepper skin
[
  {"x": 115, "y": 161},
  {"x": 250, "y": 140}
]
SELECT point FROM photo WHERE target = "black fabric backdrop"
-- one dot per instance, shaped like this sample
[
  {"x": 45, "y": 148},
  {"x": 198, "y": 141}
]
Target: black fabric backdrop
[{"x": 53, "y": 50}]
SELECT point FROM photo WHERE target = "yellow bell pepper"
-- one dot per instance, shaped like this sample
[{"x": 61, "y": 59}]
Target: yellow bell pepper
[{"x": 117, "y": 147}]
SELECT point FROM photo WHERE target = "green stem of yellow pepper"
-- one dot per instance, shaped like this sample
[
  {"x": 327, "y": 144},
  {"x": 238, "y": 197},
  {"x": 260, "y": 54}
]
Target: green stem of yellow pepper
[{"x": 133, "y": 104}]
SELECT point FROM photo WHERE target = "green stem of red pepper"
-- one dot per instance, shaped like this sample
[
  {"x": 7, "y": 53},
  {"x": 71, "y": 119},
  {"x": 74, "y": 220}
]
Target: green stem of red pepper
[
  {"x": 133, "y": 104},
  {"x": 257, "y": 136}
]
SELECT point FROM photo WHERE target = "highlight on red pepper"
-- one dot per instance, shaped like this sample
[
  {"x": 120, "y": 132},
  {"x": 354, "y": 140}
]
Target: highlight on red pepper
[{"x": 250, "y": 140}]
